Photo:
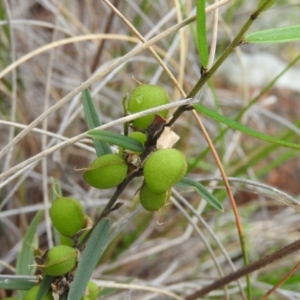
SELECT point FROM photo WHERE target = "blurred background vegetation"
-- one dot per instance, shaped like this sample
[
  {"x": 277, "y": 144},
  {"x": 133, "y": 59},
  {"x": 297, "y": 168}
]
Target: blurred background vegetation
[{"x": 172, "y": 250}]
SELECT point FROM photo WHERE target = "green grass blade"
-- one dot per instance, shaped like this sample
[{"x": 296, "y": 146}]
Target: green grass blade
[
  {"x": 242, "y": 128},
  {"x": 93, "y": 121},
  {"x": 44, "y": 287},
  {"x": 4, "y": 26},
  {"x": 25, "y": 258},
  {"x": 243, "y": 110},
  {"x": 117, "y": 139},
  {"x": 56, "y": 192},
  {"x": 89, "y": 259},
  {"x": 201, "y": 190},
  {"x": 56, "y": 189},
  {"x": 201, "y": 33},
  {"x": 9, "y": 283},
  {"x": 276, "y": 35},
  {"x": 26, "y": 255}
]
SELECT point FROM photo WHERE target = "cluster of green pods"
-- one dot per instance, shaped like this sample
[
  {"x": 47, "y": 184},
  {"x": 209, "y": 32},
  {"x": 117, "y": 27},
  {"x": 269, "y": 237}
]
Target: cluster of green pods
[
  {"x": 161, "y": 170},
  {"x": 69, "y": 219},
  {"x": 164, "y": 167}
]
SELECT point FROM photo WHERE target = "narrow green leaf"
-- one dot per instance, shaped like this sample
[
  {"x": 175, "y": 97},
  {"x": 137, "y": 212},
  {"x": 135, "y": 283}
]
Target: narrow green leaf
[
  {"x": 201, "y": 190},
  {"x": 56, "y": 192},
  {"x": 44, "y": 287},
  {"x": 17, "y": 283},
  {"x": 276, "y": 35},
  {"x": 201, "y": 33},
  {"x": 93, "y": 121},
  {"x": 3, "y": 16},
  {"x": 89, "y": 259},
  {"x": 56, "y": 188},
  {"x": 117, "y": 139},
  {"x": 25, "y": 258},
  {"x": 242, "y": 128},
  {"x": 263, "y": 2}
]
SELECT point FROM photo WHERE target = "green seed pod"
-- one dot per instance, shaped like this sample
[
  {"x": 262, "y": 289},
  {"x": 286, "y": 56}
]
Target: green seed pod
[
  {"x": 144, "y": 97},
  {"x": 64, "y": 240},
  {"x": 139, "y": 136},
  {"x": 32, "y": 293},
  {"x": 93, "y": 290},
  {"x": 106, "y": 171},
  {"x": 60, "y": 260},
  {"x": 152, "y": 201},
  {"x": 67, "y": 215},
  {"x": 163, "y": 168}
]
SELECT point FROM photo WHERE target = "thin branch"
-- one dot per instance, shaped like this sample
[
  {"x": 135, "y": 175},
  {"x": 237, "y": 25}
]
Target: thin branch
[{"x": 261, "y": 263}]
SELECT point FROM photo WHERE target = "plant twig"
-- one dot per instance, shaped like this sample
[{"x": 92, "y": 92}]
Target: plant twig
[
  {"x": 111, "y": 206},
  {"x": 97, "y": 57},
  {"x": 235, "y": 42},
  {"x": 279, "y": 254},
  {"x": 286, "y": 277}
]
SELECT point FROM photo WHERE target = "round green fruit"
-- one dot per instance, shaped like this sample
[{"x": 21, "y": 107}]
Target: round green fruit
[
  {"x": 32, "y": 293},
  {"x": 139, "y": 136},
  {"x": 153, "y": 201},
  {"x": 67, "y": 241},
  {"x": 144, "y": 97},
  {"x": 67, "y": 215},
  {"x": 93, "y": 290},
  {"x": 163, "y": 168},
  {"x": 60, "y": 260},
  {"x": 106, "y": 171}
]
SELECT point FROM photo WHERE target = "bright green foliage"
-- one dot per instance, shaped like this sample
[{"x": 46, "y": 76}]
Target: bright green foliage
[
  {"x": 201, "y": 190},
  {"x": 89, "y": 259},
  {"x": 116, "y": 139},
  {"x": 245, "y": 129},
  {"x": 144, "y": 97},
  {"x": 32, "y": 293},
  {"x": 153, "y": 201},
  {"x": 93, "y": 120},
  {"x": 106, "y": 171},
  {"x": 67, "y": 215},
  {"x": 275, "y": 35},
  {"x": 60, "y": 260},
  {"x": 163, "y": 169},
  {"x": 202, "y": 32}
]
